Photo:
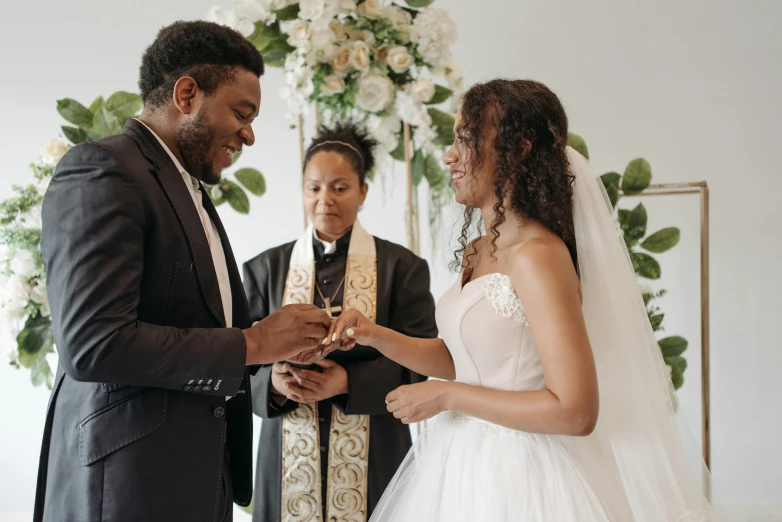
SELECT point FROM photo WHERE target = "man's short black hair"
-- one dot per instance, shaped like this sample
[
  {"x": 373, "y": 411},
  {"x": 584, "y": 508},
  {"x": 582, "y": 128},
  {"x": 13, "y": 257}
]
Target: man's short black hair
[{"x": 206, "y": 51}]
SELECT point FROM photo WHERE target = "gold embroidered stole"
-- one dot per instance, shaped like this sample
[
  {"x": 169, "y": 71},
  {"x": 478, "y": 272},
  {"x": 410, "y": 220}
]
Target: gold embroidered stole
[{"x": 346, "y": 497}]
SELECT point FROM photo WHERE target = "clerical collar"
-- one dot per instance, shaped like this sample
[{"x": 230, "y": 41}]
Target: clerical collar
[{"x": 324, "y": 247}]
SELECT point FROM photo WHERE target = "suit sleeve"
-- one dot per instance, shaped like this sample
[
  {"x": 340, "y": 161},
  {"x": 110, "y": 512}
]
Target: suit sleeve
[
  {"x": 92, "y": 243},
  {"x": 412, "y": 313},
  {"x": 255, "y": 278}
]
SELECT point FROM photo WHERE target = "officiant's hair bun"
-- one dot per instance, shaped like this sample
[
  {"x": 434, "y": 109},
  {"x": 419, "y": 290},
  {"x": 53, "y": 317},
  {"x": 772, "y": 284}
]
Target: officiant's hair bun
[
  {"x": 206, "y": 51},
  {"x": 350, "y": 140}
]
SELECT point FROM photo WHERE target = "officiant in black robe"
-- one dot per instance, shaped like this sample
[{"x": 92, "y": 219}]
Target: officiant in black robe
[{"x": 328, "y": 445}]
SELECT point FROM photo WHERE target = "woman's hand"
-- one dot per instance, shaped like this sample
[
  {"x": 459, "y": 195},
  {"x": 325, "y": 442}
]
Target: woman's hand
[
  {"x": 349, "y": 329},
  {"x": 417, "y": 402},
  {"x": 308, "y": 386}
]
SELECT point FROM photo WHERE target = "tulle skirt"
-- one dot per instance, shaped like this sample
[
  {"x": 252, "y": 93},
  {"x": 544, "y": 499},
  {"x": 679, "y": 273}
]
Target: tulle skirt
[{"x": 466, "y": 469}]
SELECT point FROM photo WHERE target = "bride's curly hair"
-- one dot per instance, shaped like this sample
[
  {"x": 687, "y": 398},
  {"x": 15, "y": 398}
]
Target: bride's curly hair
[{"x": 531, "y": 170}]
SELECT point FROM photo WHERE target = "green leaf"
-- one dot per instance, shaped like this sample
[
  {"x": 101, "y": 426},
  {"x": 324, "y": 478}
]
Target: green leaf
[
  {"x": 638, "y": 176},
  {"x": 97, "y": 104},
  {"x": 236, "y": 157},
  {"x": 678, "y": 366},
  {"x": 645, "y": 265},
  {"x": 74, "y": 134},
  {"x": 613, "y": 194},
  {"x": 622, "y": 216},
  {"x": 611, "y": 178},
  {"x": 578, "y": 143},
  {"x": 235, "y": 196},
  {"x": 252, "y": 180},
  {"x": 440, "y": 95},
  {"x": 418, "y": 167},
  {"x": 274, "y": 58},
  {"x": 662, "y": 240},
  {"x": 75, "y": 113},
  {"x": 440, "y": 118},
  {"x": 419, "y": 4},
  {"x": 40, "y": 372},
  {"x": 105, "y": 124},
  {"x": 636, "y": 222},
  {"x": 262, "y": 35},
  {"x": 445, "y": 136},
  {"x": 399, "y": 152},
  {"x": 673, "y": 346},
  {"x": 124, "y": 105},
  {"x": 656, "y": 320},
  {"x": 433, "y": 172},
  {"x": 286, "y": 14}
]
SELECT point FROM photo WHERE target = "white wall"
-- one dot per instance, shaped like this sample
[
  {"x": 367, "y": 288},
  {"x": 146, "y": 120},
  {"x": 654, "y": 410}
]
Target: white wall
[{"x": 692, "y": 86}]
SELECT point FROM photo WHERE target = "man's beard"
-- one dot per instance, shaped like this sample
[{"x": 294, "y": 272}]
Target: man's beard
[{"x": 194, "y": 140}]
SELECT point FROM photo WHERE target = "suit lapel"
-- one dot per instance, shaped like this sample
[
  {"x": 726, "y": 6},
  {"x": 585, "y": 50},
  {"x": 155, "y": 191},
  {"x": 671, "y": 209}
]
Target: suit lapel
[
  {"x": 179, "y": 196},
  {"x": 241, "y": 309}
]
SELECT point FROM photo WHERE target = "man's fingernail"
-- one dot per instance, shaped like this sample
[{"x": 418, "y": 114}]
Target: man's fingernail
[{"x": 350, "y": 332}]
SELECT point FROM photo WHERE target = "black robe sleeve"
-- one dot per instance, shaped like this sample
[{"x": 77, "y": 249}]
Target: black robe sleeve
[
  {"x": 411, "y": 313},
  {"x": 255, "y": 286}
]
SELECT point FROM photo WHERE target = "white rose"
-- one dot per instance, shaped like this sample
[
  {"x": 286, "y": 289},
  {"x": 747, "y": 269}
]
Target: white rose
[
  {"x": 424, "y": 137},
  {"x": 252, "y": 10},
  {"x": 364, "y": 36},
  {"x": 39, "y": 296},
  {"x": 375, "y": 92},
  {"x": 399, "y": 59},
  {"x": 359, "y": 56},
  {"x": 323, "y": 42},
  {"x": 332, "y": 84},
  {"x": 298, "y": 33},
  {"x": 341, "y": 61},
  {"x": 18, "y": 290},
  {"x": 311, "y": 9},
  {"x": 215, "y": 192},
  {"x": 340, "y": 34},
  {"x": 386, "y": 131},
  {"x": 347, "y": 6},
  {"x": 370, "y": 9},
  {"x": 52, "y": 152},
  {"x": 397, "y": 15},
  {"x": 276, "y": 5},
  {"x": 422, "y": 90}
]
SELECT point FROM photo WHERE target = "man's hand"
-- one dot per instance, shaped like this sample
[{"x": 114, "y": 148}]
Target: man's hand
[
  {"x": 294, "y": 332},
  {"x": 309, "y": 386}
]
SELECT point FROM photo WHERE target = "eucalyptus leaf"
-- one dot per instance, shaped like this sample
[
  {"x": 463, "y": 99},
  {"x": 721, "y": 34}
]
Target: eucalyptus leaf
[
  {"x": 673, "y": 346},
  {"x": 274, "y": 58},
  {"x": 656, "y": 320},
  {"x": 578, "y": 143},
  {"x": 611, "y": 178},
  {"x": 252, "y": 180},
  {"x": 105, "y": 124},
  {"x": 662, "y": 240},
  {"x": 75, "y": 113},
  {"x": 645, "y": 265},
  {"x": 97, "y": 104},
  {"x": 445, "y": 136},
  {"x": 399, "y": 152},
  {"x": 636, "y": 222},
  {"x": 637, "y": 177}
]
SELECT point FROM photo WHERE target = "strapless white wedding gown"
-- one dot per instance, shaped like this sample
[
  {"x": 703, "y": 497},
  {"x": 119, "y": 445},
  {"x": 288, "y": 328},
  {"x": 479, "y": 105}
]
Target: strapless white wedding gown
[{"x": 467, "y": 469}]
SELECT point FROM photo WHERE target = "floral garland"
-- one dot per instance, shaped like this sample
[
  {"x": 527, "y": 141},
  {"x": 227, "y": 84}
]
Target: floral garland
[{"x": 378, "y": 64}]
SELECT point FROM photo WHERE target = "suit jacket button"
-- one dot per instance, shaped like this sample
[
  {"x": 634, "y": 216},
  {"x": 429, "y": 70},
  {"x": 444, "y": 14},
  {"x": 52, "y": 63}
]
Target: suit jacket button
[
  {"x": 219, "y": 412},
  {"x": 197, "y": 388},
  {"x": 188, "y": 387},
  {"x": 207, "y": 388}
]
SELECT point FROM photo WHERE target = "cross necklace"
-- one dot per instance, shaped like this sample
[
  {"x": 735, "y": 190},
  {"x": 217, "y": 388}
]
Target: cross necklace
[{"x": 331, "y": 310}]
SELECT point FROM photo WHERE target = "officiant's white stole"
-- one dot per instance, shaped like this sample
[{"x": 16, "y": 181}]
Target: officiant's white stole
[{"x": 346, "y": 497}]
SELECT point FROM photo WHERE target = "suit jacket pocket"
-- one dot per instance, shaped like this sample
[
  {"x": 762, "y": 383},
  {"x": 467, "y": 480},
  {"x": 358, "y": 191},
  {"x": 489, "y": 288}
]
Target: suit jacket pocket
[{"x": 121, "y": 423}]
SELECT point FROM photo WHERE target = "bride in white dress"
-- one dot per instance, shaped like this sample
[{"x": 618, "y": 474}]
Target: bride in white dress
[{"x": 553, "y": 403}]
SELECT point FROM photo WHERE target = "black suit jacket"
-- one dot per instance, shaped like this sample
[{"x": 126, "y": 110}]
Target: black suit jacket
[{"x": 138, "y": 421}]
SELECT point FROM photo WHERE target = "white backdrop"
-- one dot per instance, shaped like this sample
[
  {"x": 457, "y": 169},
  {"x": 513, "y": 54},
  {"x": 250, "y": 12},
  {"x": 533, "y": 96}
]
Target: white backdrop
[{"x": 692, "y": 86}]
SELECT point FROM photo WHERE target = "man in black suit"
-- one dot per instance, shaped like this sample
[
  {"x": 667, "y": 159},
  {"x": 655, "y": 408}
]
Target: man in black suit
[{"x": 150, "y": 416}]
